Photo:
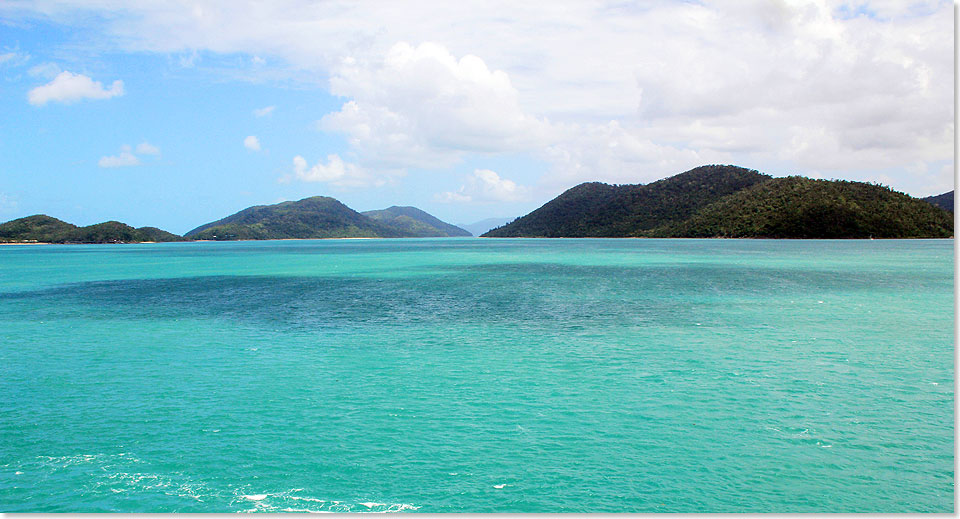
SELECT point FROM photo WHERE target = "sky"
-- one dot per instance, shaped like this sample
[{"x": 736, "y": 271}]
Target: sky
[{"x": 177, "y": 113}]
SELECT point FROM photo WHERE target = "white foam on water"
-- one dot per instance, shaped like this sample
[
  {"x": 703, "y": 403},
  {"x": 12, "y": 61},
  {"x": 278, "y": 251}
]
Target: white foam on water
[
  {"x": 501, "y": 485},
  {"x": 255, "y": 497}
]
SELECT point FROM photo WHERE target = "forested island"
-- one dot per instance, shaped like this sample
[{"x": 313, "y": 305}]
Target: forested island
[
  {"x": 705, "y": 202},
  {"x": 323, "y": 217},
  {"x": 733, "y": 202},
  {"x": 41, "y": 228}
]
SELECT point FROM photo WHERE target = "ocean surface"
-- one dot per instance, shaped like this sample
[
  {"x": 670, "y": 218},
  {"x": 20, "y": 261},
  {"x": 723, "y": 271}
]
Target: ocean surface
[{"x": 479, "y": 375}]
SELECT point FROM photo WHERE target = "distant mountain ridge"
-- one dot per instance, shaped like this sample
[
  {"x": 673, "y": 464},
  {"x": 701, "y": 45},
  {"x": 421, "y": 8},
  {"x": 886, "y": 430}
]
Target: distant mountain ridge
[
  {"x": 323, "y": 217},
  {"x": 732, "y": 202},
  {"x": 943, "y": 201},
  {"x": 415, "y": 221},
  {"x": 478, "y": 228},
  {"x": 47, "y": 229}
]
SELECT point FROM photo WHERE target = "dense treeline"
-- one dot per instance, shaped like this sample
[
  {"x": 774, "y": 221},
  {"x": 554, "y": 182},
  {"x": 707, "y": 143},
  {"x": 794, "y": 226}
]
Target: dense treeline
[
  {"x": 729, "y": 201},
  {"x": 798, "y": 207}
]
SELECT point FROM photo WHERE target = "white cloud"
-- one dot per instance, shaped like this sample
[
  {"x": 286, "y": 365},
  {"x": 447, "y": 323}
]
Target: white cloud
[
  {"x": 423, "y": 107},
  {"x": 125, "y": 158},
  {"x": 145, "y": 148},
  {"x": 68, "y": 87},
  {"x": 485, "y": 186},
  {"x": 251, "y": 143},
  {"x": 813, "y": 84},
  {"x": 338, "y": 173},
  {"x": 265, "y": 111}
]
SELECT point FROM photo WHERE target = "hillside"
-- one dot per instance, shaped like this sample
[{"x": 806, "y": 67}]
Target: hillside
[
  {"x": 799, "y": 207},
  {"x": 46, "y": 229},
  {"x": 728, "y": 201},
  {"x": 943, "y": 201},
  {"x": 39, "y": 227},
  {"x": 595, "y": 209},
  {"x": 416, "y": 222},
  {"x": 315, "y": 217}
]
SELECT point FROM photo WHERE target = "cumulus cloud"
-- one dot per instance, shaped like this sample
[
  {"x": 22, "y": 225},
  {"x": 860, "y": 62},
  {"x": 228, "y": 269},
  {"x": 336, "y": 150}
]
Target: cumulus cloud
[
  {"x": 338, "y": 173},
  {"x": 251, "y": 143},
  {"x": 814, "y": 85},
  {"x": 68, "y": 88},
  {"x": 265, "y": 111},
  {"x": 421, "y": 106},
  {"x": 485, "y": 186}
]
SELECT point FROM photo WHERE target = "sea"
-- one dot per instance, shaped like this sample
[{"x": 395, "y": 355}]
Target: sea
[{"x": 478, "y": 375}]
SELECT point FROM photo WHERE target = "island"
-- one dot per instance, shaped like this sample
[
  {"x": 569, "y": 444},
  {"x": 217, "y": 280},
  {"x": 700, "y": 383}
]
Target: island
[{"x": 724, "y": 201}]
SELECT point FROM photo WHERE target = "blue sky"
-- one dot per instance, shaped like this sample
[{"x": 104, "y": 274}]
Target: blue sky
[{"x": 176, "y": 114}]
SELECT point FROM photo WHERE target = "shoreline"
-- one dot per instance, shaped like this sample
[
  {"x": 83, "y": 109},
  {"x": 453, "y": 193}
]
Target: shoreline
[{"x": 477, "y": 237}]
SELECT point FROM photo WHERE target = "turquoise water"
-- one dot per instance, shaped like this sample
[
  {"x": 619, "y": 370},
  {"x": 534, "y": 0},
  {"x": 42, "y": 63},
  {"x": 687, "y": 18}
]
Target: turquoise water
[{"x": 478, "y": 375}]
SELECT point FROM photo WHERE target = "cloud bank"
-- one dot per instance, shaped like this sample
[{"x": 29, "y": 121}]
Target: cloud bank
[{"x": 600, "y": 90}]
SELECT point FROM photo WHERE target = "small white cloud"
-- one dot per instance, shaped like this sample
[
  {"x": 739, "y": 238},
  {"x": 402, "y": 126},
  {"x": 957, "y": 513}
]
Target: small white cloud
[
  {"x": 485, "y": 186},
  {"x": 251, "y": 143},
  {"x": 124, "y": 159},
  {"x": 335, "y": 169},
  {"x": 339, "y": 173},
  {"x": 263, "y": 112},
  {"x": 68, "y": 88},
  {"x": 145, "y": 148}
]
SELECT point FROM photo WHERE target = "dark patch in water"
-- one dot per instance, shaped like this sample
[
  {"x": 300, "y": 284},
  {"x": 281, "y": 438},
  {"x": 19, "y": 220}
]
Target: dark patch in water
[{"x": 541, "y": 294}]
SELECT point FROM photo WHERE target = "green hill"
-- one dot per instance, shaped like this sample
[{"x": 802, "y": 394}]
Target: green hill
[
  {"x": 46, "y": 229},
  {"x": 416, "y": 222},
  {"x": 315, "y": 217},
  {"x": 595, "y": 209},
  {"x": 799, "y": 207},
  {"x": 728, "y": 201},
  {"x": 159, "y": 235},
  {"x": 944, "y": 201},
  {"x": 39, "y": 228}
]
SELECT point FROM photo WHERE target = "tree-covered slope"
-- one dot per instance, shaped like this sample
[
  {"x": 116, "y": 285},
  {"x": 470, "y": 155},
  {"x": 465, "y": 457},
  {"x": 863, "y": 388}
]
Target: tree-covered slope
[
  {"x": 601, "y": 210},
  {"x": 415, "y": 221},
  {"x": 729, "y": 201},
  {"x": 159, "y": 235},
  {"x": 943, "y": 201},
  {"x": 799, "y": 207},
  {"x": 46, "y": 229},
  {"x": 39, "y": 227},
  {"x": 315, "y": 217}
]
